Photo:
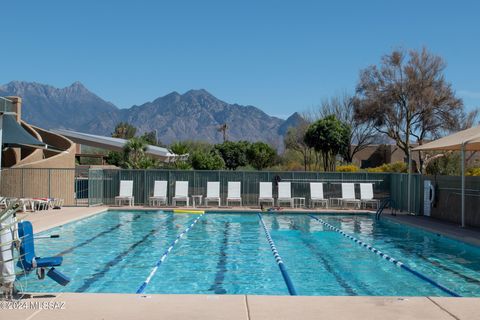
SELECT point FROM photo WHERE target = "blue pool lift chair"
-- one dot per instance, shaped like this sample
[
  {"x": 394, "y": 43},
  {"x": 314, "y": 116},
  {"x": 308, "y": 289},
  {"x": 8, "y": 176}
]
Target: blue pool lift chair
[{"x": 29, "y": 261}]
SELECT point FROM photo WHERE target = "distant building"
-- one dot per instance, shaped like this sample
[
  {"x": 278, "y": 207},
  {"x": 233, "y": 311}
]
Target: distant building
[
  {"x": 377, "y": 154},
  {"x": 28, "y": 147},
  {"x": 59, "y": 152}
]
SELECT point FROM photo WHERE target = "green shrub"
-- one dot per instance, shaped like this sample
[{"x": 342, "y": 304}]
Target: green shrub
[
  {"x": 398, "y": 166},
  {"x": 473, "y": 172},
  {"x": 202, "y": 160},
  {"x": 348, "y": 168}
]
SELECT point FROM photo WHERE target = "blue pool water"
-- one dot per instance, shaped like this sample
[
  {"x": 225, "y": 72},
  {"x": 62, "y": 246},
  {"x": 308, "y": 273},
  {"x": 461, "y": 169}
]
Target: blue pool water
[{"x": 229, "y": 254}]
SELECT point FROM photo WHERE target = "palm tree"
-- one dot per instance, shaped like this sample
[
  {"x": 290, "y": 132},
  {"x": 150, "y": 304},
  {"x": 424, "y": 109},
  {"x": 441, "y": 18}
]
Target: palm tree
[
  {"x": 179, "y": 148},
  {"x": 223, "y": 128},
  {"x": 134, "y": 151}
]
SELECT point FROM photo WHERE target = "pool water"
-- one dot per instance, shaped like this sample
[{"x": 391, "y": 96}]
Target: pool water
[{"x": 228, "y": 253}]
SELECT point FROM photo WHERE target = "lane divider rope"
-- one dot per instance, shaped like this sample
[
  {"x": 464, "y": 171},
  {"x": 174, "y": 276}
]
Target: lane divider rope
[
  {"x": 141, "y": 289},
  {"x": 388, "y": 258},
  {"x": 278, "y": 259}
]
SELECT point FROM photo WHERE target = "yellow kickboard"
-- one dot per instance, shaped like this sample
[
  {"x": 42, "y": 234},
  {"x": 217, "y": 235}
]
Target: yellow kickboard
[{"x": 188, "y": 211}]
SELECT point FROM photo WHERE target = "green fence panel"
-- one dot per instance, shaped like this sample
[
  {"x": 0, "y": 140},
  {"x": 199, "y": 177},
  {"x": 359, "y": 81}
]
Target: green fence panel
[
  {"x": 101, "y": 186},
  {"x": 144, "y": 182},
  {"x": 95, "y": 187}
]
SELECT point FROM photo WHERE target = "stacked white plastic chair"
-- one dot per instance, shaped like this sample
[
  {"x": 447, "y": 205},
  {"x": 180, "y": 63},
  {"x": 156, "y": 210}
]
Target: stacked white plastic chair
[
  {"x": 213, "y": 192},
  {"x": 159, "y": 193},
  {"x": 181, "y": 193},
  {"x": 316, "y": 195},
  {"x": 366, "y": 195},
  {"x": 234, "y": 192},
  {"x": 285, "y": 193},
  {"x": 265, "y": 194},
  {"x": 126, "y": 193}
]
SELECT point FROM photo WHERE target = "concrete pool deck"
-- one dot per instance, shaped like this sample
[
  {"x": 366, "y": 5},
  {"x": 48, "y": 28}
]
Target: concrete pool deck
[
  {"x": 242, "y": 307},
  {"x": 159, "y": 306},
  {"x": 449, "y": 229}
]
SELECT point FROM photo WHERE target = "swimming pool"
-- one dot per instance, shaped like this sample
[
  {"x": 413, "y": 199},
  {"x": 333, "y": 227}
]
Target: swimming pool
[{"x": 228, "y": 253}]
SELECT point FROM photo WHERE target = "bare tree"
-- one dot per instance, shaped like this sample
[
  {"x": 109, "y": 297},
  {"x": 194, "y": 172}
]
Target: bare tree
[
  {"x": 362, "y": 133},
  {"x": 407, "y": 98},
  {"x": 294, "y": 140},
  {"x": 469, "y": 119}
]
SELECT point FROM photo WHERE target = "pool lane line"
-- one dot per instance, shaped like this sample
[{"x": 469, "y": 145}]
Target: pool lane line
[
  {"x": 278, "y": 259},
  {"x": 217, "y": 287},
  {"x": 340, "y": 280},
  {"x": 142, "y": 287},
  {"x": 100, "y": 274},
  {"x": 388, "y": 258},
  {"x": 115, "y": 227},
  {"x": 439, "y": 265}
]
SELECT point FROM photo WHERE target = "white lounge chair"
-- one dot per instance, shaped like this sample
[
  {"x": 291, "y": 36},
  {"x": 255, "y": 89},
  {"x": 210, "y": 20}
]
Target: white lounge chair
[
  {"x": 366, "y": 195},
  {"x": 24, "y": 202},
  {"x": 159, "y": 193},
  {"x": 265, "y": 194},
  {"x": 234, "y": 192},
  {"x": 181, "y": 192},
  {"x": 316, "y": 194},
  {"x": 126, "y": 193},
  {"x": 56, "y": 203},
  {"x": 348, "y": 195},
  {"x": 213, "y": 192},
  {"x": 285, "y": 193}
]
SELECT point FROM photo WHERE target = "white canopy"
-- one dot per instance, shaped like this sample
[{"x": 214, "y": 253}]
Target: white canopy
[
  {"x": 470, "y": 138},
  {"x": 465, "y": 140},
  {"x": 114, "y": 144}
]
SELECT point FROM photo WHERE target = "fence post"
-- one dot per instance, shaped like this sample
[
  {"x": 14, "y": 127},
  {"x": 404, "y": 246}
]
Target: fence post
[
  {"x": 144, "y": 187},
  {"x": 49, "y": 182},
  {"x": 89, "y": 188},
  {"x": 169, "y": 189},
  {"x": 23, "y": 182},
  {"x": 243, "y": 186},
  {"x": 194, "y": 183}
]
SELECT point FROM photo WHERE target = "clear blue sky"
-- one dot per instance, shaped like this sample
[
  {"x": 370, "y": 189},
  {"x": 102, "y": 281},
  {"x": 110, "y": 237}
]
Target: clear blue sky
[{"x": 281, "y": 56}]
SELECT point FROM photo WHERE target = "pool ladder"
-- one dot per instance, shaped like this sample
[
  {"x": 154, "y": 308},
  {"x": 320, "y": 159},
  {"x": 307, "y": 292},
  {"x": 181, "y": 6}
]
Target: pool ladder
[{"x": 385, "y": 202}]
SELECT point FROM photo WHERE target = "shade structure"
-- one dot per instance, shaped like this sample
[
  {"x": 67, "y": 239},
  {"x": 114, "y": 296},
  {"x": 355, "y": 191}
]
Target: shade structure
[
  {"x": 465, "y": 140},
  {"x": 470, "y": 138},
  {"x": 14, "y": 135},
  {"x": 115, "y": 144}
]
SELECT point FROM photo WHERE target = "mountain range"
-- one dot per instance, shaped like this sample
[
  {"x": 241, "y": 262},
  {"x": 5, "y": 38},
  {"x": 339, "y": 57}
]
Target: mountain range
[{"x": 194, "y": 115}]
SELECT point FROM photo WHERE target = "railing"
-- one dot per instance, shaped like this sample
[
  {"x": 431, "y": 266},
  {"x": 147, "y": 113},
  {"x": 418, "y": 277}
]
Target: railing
[
  {"x": 6, "y": 106},
  {"x": 90, "y": 187},
  {"x": 383, "y": 205},
  {"x": 399, "y": 192},
  {"x": 448, "y": 196},
  {"x": 73, "y": 185},
  {"x": 143, "y": 182}
]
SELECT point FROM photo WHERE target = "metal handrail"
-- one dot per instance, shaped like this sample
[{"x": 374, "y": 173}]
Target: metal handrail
[{"x": 383, "y": 205}]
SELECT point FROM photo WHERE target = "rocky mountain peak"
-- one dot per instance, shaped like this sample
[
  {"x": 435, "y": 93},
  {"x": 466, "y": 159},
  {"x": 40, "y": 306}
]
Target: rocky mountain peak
[
  {"x": 294, "y": 120},
  {"x": 194, "y": 115},
  {"x": 77, "y": 85}
]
